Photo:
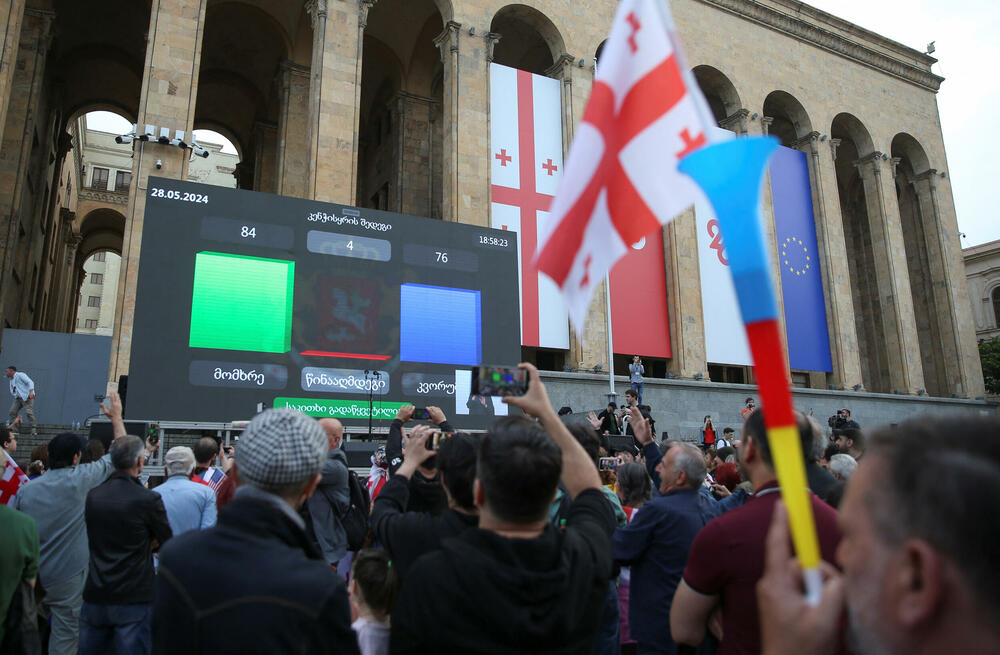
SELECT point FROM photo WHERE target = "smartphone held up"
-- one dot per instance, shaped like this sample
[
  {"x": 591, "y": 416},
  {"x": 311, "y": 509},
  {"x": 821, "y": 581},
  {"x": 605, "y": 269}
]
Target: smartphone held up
[{"x": 499, "y": 381}]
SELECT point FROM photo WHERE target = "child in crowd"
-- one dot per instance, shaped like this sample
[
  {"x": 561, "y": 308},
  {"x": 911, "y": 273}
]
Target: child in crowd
[{"x": 373, "y": 589}]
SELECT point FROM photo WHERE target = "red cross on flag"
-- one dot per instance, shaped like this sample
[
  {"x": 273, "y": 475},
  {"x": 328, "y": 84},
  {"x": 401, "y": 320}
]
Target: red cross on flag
[
  {"x": 645, "y": 114},
  {"x": 10, "y": 481},
  {"x": 526, "y": 166}
]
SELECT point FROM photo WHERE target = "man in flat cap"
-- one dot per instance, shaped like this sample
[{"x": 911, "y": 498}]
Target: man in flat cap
[{"x": 271, "y": 590}]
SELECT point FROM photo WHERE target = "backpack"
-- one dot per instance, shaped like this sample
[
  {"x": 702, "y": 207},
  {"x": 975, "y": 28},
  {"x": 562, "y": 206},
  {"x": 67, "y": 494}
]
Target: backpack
[{"x": 355, "y": 519}]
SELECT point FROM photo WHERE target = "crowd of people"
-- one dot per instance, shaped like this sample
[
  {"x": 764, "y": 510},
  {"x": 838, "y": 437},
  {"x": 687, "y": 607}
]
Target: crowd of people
[{"x": 541, "y": 535}]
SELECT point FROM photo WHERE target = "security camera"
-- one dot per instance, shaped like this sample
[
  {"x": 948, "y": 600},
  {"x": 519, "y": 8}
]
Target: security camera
[
  {"x": 149, "y": 133},
  {"x": 164, "y": 135},
  {"x": 178, "y": 139},
  {"x": 127, "y": 138},
  {"x": 159, "y": 164},
  {"x": 198, "y": 150}
]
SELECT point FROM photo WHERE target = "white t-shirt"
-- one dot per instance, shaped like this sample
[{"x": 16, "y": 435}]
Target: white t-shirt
[{"x": 373, "y": 636}]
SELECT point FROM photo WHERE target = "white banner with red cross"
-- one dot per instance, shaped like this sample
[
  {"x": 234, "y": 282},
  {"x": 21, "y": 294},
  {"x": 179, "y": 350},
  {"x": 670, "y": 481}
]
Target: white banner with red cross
[{"x": 526, "y": 166}]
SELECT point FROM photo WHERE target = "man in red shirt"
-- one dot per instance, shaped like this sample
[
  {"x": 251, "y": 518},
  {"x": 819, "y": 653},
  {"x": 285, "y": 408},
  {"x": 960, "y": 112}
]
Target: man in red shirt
[{"x": 727, "y": 556}]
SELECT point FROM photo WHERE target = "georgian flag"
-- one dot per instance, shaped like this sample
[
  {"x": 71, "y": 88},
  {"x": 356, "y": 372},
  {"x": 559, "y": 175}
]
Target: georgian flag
[
  {"x": 11, "y": 480},
  {"x": 526, "y": 166},
  {"x": 645, "y": 114}
]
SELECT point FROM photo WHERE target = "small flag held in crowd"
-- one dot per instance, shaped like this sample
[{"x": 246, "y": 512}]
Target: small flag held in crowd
[
  {"x": 621, "y": 182},
  {"x": 12, "y": 479}
]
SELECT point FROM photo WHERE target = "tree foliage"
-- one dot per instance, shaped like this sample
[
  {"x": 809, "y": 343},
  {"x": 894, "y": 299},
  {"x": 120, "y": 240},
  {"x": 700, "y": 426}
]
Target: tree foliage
[{"x": 989, "y": 353}]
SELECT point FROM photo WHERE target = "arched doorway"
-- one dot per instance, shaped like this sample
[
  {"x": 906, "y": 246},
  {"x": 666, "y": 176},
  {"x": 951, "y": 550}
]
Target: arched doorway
[
  {"x": 97, "y": 269},
  {"x": 789, "y": 120},
  {"x": 923, "y": 262},
  {"x": 97, "y": 294},
  {"x": 854, "y": 143},
  {"x": 719, "y": 92},
  {"x": 400, "y": 128},
  {"x": 245, "y": 50},
  {"x": 222, "y": 166},
  {"x": 529, "y": 40}
]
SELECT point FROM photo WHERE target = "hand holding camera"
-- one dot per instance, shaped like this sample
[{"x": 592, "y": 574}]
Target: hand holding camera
[
  {"x": 405, "y": 413},
  {"x": 435, "y": 415},
  {"x": 535, "y": 401},
  {"x": 415, "y": 451}
]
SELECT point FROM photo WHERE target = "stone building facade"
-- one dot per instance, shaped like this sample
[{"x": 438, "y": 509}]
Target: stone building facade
[
  {"x": 982, "y": 268},
  {"x": 385, "y": 103}
]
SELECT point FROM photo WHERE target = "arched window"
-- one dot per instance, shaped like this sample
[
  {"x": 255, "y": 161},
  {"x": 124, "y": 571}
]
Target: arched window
[{"x": 996, "y": 306}]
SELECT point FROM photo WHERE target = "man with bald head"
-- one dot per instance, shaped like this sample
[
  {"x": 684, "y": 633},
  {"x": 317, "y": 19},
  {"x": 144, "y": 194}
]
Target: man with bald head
[{"x": 332, "y": 498}]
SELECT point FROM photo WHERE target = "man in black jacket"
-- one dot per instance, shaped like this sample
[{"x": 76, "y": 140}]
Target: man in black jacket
[
  {"x": 332, "y": 498},
  {"x": 426, "y": 492},
  {"x": 125, "y": 523},
  {"x": 516, "y": 583},
  {"x": 254, "y": 582},
  {"x": 408, "y": 535}
]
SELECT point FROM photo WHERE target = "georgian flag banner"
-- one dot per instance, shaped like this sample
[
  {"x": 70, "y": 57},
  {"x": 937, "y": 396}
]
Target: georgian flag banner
[
  {"x": 621, "y": 182},
  {"x": 526, "y": 165}
]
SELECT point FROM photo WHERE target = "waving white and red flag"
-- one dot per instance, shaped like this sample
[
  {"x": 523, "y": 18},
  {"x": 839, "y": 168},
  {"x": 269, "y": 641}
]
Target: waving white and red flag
[
  {"x": 621, "y": 182},
  {"x": 10, "y": 481}
]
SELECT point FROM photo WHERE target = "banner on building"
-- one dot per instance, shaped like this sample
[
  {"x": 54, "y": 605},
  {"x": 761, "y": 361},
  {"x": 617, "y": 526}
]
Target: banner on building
[
  {"x": 640, "y": 319},
  {"x": 798, "y": 256},
  {"x": 806, "y": 329},
  {"x": 526, "y": 163}
]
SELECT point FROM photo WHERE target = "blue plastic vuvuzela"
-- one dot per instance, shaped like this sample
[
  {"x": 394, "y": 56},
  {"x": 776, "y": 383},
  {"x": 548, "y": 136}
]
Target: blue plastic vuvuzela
[{"x": 730, "y": 173}]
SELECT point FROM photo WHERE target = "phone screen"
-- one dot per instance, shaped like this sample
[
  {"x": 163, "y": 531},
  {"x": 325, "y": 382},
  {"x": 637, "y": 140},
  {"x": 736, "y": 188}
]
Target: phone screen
[{"x": 499, "y": 381}]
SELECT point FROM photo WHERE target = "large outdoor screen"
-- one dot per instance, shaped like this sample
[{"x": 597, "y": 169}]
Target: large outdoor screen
[{"x": 245, "y": 298}]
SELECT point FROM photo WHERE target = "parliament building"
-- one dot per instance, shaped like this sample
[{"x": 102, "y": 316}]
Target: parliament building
[{"x": 385, "y": 104}]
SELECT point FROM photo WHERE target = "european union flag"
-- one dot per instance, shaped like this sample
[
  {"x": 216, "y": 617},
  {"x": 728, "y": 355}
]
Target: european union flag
[{"x": 798, "y": 254}]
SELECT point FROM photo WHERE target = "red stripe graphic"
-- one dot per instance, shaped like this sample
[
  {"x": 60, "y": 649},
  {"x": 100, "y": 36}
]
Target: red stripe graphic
[
  {"x": 530, "y": 202},
  {"x": 323, "y": 353}
]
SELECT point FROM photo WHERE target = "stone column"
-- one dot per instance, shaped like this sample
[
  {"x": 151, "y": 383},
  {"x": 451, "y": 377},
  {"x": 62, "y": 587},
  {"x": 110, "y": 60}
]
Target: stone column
[
  {"x": 447, "y": 43},
  {"x": 65, "y": 252},
  {"x": 266, "y": 157},
  {"x": 950, "y": 291},
  {"x": 292, "y": 141},
  {"x": 168, "y": 94},
  {"x": 26, "y": 84},
  {"x": 771, "y": 234},
  {"x": 905, "y": 371},
  {"x": 833, "y": 262},
  {"x": 71, "y": 281},
  {"x": 687, "y": 321},
  {"x": 738, "y": 123},
  {"x": 413, "y": 120},
  {"x": 563, "y": 70},
  {"x": 13, "y": 12},
  {"x": 335, "y": 98}
]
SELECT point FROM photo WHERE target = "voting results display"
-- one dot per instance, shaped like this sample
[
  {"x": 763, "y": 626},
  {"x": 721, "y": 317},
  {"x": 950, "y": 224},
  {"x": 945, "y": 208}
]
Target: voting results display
[{"x": 245, "y": 298}]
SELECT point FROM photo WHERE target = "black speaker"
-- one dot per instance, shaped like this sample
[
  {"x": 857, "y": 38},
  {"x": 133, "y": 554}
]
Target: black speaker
[
  {"x": 104, "y": 432},
  {"x": 123, "y": 390}
]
